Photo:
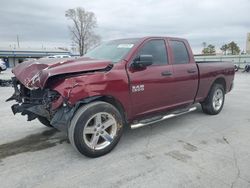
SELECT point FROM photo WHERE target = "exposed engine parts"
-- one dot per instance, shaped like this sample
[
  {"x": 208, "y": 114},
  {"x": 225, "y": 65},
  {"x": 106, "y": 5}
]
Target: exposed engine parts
[{"x": 33, "y": 103}]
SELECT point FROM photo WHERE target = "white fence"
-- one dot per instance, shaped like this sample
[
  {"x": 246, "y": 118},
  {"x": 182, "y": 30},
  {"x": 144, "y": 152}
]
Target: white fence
[{"x": 241, "y": 60}]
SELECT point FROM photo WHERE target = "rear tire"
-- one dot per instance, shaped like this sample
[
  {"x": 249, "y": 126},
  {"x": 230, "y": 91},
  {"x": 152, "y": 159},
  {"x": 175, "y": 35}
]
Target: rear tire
[
  {"x": 95, "y": 129},
  {"x": 247, "y": 68},
  {"x": 44, "y": 121},
  {"x": 214, "y": 101}
]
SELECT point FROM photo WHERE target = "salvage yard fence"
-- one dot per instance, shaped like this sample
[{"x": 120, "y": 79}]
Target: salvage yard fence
[{"x": 240, "y": 60}]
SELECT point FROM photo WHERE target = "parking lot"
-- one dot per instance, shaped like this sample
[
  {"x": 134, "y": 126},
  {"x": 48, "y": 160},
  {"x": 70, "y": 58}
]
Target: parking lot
[{"x": 193, "y": 150}]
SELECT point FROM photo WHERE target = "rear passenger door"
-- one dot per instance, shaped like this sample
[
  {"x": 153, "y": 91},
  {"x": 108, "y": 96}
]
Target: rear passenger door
[{"x": 185, "y": 72}]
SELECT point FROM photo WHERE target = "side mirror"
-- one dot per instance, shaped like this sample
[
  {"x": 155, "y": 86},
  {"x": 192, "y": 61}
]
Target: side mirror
[{"x": 142, "y": 61}]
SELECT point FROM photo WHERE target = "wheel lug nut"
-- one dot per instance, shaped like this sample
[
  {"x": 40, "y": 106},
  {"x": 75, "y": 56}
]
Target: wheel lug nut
[
  {"x": 101, "y": 132},
  {"x": 97, "y": 134},
  {"x": 102, "y": 127}
]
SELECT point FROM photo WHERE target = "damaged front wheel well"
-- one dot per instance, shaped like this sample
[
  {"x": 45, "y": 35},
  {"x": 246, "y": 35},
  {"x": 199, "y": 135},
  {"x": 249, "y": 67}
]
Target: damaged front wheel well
[{"x": 108, "y": 99}]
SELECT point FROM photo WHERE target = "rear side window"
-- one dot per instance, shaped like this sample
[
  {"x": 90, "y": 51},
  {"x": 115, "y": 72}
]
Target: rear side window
[
  {"x": 157, "y": 49},
  {"x": 180, "y": 52}
]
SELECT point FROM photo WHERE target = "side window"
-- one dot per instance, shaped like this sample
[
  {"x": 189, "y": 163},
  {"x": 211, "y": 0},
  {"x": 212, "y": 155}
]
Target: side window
[
  {"x": 157, "y": 49},
  {"x": 180, "y": 52}
]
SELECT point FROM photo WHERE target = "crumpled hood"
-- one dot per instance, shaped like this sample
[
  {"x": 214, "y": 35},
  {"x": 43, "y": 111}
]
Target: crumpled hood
[{"x": 34, "y": 74}]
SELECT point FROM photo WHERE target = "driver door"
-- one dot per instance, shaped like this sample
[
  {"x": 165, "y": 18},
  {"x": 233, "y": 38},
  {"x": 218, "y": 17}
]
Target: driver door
[{"x": 151, "y": 87}]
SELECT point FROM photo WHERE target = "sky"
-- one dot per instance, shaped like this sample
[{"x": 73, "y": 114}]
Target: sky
[{"x": 43, "y": 23}]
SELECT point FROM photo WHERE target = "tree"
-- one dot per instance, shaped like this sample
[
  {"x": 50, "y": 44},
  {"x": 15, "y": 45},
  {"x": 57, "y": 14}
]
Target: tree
[
  {"x": 82, "y": 30},
  {"x": 233, "y": 48},
  {"x": 209, "y": 50},
  {"x": 224, "y": 48}
]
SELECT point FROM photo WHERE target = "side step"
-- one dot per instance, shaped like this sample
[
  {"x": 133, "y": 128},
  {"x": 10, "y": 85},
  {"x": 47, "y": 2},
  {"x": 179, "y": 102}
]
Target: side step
[{"x": 174, "y": 114}]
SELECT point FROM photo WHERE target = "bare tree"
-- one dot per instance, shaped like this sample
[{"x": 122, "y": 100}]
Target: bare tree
[{"x": 82, "y": 30}]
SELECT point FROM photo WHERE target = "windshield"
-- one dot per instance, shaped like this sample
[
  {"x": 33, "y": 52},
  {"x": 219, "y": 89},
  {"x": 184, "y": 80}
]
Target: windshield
[{"x": 113, "y": 50}]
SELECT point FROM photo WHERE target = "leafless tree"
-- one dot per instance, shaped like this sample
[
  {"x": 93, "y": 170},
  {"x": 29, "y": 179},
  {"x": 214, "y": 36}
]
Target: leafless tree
[{"x": 82, "y": 30}]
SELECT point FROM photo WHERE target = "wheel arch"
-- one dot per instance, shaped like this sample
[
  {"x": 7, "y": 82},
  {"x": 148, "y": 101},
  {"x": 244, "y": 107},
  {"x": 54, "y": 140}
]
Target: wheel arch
[
  {"x": 207, "y": 104},
  {"x": 220, "y": 81},
  {"x": 106, "y": 98}
]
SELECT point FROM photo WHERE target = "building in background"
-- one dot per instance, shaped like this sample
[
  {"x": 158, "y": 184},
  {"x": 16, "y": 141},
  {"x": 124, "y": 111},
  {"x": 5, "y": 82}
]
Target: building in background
[
  {"x": 13, "y": 57},
  {"x": 248, "y": 44}
]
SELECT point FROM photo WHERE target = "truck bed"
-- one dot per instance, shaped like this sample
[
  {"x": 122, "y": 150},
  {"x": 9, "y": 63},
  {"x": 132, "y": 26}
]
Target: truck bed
[{"x": 210, "y": 71}]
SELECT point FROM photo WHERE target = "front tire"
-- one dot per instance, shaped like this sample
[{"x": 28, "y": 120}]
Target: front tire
[
  {"x": 214, "y": 101},
  {"x": 95, "y": 129}
]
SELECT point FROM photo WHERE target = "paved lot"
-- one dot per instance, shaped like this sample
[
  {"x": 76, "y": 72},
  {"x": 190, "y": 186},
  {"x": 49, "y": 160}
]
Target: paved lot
[{"x": 194, "y": 150}]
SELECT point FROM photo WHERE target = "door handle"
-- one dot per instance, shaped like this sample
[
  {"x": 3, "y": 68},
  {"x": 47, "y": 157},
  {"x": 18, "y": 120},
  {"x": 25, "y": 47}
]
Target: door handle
[
  {"x": 191, "y": 71},
  {"x": 166, "y": 73}
]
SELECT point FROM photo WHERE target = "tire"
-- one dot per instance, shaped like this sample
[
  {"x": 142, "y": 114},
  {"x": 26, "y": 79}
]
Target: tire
[
  {"x": 44, "y": 121},
  {"x": 95, "y": 129},
  {"x": 214, "y": 102},
  {"x": 236, "y": 68},
  {"x": 247, "y": 68}
]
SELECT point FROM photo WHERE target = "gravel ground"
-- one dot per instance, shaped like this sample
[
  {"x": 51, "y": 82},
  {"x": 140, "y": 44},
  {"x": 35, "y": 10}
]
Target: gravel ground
[{"x": 193, "y": 150}]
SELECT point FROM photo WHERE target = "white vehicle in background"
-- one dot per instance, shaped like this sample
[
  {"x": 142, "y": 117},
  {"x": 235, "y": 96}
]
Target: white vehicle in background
[
  {"x": 29, "y": 59},
  {"x": 58, "y": 56},
  {"x": 62, "y": 56},
  {"x": 3, "y": 66}
]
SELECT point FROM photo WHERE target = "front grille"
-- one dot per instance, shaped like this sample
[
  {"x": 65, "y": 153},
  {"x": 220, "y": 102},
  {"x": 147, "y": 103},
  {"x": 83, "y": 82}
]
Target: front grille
[{"x": 33, "y": 96}]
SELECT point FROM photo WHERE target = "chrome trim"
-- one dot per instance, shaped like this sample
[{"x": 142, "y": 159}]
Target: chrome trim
[{"x": 138, "y": 125}]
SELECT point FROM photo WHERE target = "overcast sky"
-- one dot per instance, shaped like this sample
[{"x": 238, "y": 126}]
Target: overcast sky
[{"x": 42, "y": 23}]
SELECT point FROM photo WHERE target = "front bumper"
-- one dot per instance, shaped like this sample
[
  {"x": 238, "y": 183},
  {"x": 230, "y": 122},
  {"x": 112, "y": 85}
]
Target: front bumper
[
  {"x": 33, "y": 103},
  {"x": 41, "y": 103}
]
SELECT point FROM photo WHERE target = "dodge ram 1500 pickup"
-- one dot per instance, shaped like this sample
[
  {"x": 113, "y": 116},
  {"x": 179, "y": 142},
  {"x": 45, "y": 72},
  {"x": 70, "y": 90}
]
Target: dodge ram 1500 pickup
[{"x": 127, "y": 82}]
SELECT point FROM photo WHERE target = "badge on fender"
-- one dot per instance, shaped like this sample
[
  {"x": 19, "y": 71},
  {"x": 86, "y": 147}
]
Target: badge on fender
[{"x": 137, "y": 88}]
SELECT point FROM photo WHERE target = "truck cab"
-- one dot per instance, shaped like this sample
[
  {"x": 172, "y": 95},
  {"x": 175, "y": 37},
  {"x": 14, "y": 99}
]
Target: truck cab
[{"x": 171, "y": 80}]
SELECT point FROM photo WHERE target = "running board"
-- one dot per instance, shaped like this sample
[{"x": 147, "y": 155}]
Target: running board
[{"x": 137, "y": 125}]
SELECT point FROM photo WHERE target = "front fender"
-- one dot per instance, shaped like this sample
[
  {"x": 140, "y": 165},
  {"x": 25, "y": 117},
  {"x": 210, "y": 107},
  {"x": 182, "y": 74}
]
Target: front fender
[{"x": 74, "y": 89}]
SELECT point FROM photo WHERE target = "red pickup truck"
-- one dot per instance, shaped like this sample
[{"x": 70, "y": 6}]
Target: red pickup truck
[{"x": 128, "y": 82}]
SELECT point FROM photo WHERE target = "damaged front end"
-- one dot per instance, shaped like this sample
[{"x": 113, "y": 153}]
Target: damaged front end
[
  {"x": 40, "y": 103},
  {"x": 54, "y": 89}
]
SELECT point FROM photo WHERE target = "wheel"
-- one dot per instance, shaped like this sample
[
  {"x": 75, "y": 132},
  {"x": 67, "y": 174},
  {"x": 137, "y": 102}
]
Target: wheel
[
  {"x": 247, "y": 68},
  {"x": 44, "y": 121},
  {"x": 214, "y": 101},
  {"x": 95, "y": 129}
]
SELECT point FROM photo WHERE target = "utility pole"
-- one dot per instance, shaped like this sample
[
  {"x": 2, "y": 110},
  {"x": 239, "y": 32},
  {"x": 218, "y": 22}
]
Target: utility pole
[{"x": 17, "y": 38}]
